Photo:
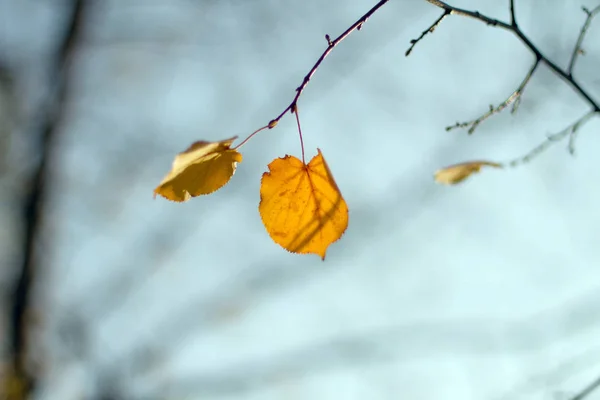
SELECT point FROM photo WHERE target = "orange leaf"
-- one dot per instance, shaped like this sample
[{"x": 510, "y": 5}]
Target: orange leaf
[
  {"x": 201, "y": 169},
  {"x": 459, "y": 172},
  {"x": 301, "y": 206}
]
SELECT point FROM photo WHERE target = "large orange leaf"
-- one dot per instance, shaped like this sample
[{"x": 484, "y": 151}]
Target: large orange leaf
[
  {"x": 459, "y": 172},
  {"x": 301, "y": 205},
  {"x": 201, "y": 169}
]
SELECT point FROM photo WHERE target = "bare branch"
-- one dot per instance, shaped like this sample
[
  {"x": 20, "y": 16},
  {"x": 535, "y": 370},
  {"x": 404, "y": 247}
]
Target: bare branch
[
  {"x": 578, "y": 49},
  {"x": 565, "y": 75},
  {"x": 426, "y": 31},
  {"x": 513, "y": 17},
  {"x": 587, "y": 390},
  {"x": 330, "y": 46},
  {"x": 470, "y": 14},
  {"x": 571, "y": 131},
  {"x": 514, "y": 98}
]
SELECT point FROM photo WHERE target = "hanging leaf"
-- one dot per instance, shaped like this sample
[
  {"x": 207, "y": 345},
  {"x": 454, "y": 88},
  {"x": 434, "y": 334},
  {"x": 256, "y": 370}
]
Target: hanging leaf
[
  {"x": 459, "y": 172},
  {"x": 301, "y": 205},
  {"x": 201, "y": 169}
]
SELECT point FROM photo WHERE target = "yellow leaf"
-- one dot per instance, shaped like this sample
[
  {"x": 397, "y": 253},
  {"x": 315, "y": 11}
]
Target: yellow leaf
[
  {"x": 201, "y": 169},
  {"x": 301, "y": 205},
  {"x": 12, "y": 385},
  {"x": 459, "y": 172}
]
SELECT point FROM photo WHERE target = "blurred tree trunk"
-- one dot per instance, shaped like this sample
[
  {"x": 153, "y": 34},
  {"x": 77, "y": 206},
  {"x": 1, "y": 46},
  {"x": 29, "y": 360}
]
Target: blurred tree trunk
[{"x": 22, "y": 383}]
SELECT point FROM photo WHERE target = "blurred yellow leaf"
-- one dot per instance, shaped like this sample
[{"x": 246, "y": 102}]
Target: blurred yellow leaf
[
  {"x": 201, "y": 169},
  {"x": 301, "y": 205},
  {"x": 459, "y": 172},
  {"x": 12, "y": 386}
]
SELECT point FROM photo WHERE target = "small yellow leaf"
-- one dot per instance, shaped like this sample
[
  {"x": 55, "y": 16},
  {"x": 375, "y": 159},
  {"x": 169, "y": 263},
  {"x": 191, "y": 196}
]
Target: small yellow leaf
[
  {"x": 301, "y": 206},
  {"x": 201, "y": 169},
  {"x": 13, "y": 386},
  {"x": 459, "y": 172}
]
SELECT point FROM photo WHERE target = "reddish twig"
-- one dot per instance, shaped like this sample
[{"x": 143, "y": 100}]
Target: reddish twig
[
  {"x": 331, "y": 44},
  {"x": 251, "y": 135}
]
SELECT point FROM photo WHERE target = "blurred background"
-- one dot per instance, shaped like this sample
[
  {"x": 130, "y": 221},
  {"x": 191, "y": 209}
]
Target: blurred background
[{"x": 486, "y": 290}]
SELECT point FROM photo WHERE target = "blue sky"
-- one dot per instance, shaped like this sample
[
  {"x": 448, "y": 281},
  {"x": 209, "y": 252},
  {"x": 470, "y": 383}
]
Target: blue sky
[{"x": 486, "y": 290}]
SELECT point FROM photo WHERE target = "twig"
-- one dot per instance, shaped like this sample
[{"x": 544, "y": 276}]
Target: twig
[
  {"x": 470, "y": 14},
  {"x": 513, "y": 17},
  {"x": 514, "y": 98},
  {"x": 35, "y": 198},
  {"x": 571, "y": 130},
  {"x": 587, "y": 390},
  {"x": 578, "y": 50},
  {"x": 331, "y": 44},
  {"x": 426, "y": 31},
  {"x": 513, "y": 27}
]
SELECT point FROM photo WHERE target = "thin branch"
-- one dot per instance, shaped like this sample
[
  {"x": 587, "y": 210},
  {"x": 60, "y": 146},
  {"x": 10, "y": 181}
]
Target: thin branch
[
  {"x": 587, "y": 390},
  {"x": 330, "y": 46},
  {"x": 578, "y": 50},
  {"x": 470, "y": 14},
  {"x": 426, "y": 31},
  {"x": 449, "y": 10},
  {"x": 513, "y": 17},
  {"x": 571, "y": 130},
  {"x": 35, "y": 198},
  {"x": 565, "y": 75},
  {"x": 514, "y": 98}
]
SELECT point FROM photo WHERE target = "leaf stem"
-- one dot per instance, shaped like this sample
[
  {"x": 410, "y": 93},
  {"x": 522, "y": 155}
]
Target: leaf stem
[
  {"x": 250, "y": 136},
  {"x": 513, "y": 27},
  {"x": 295, "y": 111}
]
